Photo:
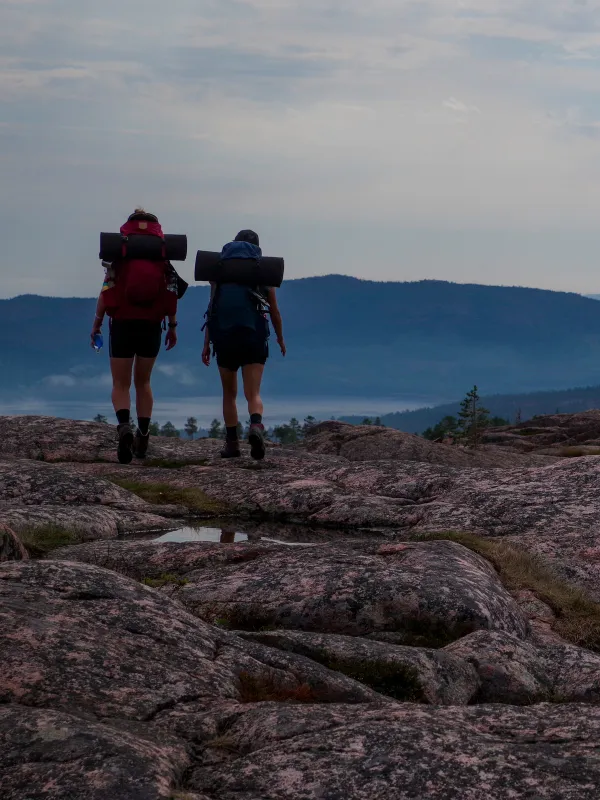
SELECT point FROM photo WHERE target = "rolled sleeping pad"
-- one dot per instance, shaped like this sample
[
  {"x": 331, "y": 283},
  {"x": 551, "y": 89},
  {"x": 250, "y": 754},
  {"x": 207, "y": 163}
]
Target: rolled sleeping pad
[
  {"x": 138, "y": 246},
  {"x": 245, "y": 271}
]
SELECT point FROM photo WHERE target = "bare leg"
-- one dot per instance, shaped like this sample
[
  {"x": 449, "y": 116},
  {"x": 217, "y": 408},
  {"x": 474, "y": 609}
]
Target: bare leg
[
  {"x": 121, "y": 374},
  {"x": 143, "y": 391},
  {"x": 229, "y": 383},
  {"x": 252, "y": 376}
]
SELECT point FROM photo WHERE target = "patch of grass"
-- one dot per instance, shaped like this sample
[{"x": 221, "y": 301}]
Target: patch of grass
[
  {"x": 577, "y": 615},
  {"x": 425, "y": 631},
  {"x": 247, "y": 617},
  {"x": 163, "y": 494},
  {"x": 224, "y": 742},
  {"x": 266, "y": 688},
  {"x": 394, "y": 680},
  {"x": 172, "y": 463},
  {"x": 577, "y": 452},
  {"x": 164, "y": 580},
  {"x": 418, "y": 631},
  {"x": 40, "y": 541},
  {"x": 183, "y": 796}
]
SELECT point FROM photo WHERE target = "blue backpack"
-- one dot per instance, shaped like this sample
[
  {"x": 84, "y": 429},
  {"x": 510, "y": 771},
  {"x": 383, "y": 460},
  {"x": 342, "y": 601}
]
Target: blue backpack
[{"x": 235, "y": 307}]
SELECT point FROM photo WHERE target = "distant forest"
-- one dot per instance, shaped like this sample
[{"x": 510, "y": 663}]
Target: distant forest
[{"x": 508, "y": 406}]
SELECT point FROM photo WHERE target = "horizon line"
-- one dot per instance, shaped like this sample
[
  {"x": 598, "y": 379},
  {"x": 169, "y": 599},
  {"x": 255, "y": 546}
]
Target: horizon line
[{"x": 204, "y": 284}]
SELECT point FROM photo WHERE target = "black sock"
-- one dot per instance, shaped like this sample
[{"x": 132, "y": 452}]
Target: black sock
[
  {"x": 255, "y": 419},
  {"x": 232, "y": 434},
  {"x": 143, "y": 425},
  {"x": 123, "y": 416}
]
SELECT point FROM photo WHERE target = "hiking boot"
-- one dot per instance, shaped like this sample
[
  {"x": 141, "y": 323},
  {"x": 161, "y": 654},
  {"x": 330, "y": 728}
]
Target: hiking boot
[
  {"x": 125, "y": 446},
  {"x": 140, "y": 444},
  {"x": 231, "y": 450},
  {"x": 256, "y": 437}
]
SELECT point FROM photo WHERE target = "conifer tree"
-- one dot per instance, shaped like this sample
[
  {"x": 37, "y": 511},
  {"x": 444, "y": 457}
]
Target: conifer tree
[
  {"x": 216, "y": 430},
  {"x": 191, "y": 427},
  {"x": 309, "y": 422},
  {"x": 169, "y": 430},
  {"x": 448, "y": 426},
  {"x": 473, "y": 419}
]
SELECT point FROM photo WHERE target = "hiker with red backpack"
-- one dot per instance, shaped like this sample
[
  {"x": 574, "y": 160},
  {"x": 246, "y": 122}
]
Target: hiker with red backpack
[
  {"x": 238, "y": 330},
  {"x": 138, "y": 294}
]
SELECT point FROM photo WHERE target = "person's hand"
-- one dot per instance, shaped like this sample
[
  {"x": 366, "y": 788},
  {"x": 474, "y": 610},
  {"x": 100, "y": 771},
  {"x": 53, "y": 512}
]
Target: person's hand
[
  {"x": 171, "y": 338},
  {"x": 96, "y": 328},
  {"x": 282, "y": 346},
  {"x": 206, "y": 355}
]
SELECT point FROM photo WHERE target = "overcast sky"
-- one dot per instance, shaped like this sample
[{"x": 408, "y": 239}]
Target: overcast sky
[{"x": 395, "y": 140}]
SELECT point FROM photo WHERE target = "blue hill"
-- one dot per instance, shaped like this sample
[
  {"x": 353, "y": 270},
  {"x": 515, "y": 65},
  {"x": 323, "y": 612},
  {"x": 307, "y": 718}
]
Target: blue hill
[{"x": 427, "y": 339}]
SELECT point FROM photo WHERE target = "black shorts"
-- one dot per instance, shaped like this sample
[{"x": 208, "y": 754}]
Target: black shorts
[
  {"x": 241, "y": 348},
  {"x": 134, "y": 337}
]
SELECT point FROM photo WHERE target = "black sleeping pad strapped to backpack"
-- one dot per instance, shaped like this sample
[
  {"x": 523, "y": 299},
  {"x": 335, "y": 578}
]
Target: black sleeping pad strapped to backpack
[
  {"x": 268, "y": 271},
  {"x": 114, "y": 246}
]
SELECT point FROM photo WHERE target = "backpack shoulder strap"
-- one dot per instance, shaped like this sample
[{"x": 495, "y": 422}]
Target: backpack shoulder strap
[{"x": 262, "y": 303}]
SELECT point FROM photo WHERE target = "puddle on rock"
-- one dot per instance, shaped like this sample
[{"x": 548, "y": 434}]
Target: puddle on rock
[
  {"x": 189, "y": 534},
  {"x": 234, "y": 532},
  {"x": 221, "y": 536}
]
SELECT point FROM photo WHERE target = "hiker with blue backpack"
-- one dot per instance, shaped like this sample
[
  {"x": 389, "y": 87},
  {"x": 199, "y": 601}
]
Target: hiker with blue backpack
[{"x": 238, "y": 330}]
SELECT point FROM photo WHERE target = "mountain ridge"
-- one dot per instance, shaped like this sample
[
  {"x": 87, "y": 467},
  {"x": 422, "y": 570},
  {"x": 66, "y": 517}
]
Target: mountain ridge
[{"x": 346, "y": 336}]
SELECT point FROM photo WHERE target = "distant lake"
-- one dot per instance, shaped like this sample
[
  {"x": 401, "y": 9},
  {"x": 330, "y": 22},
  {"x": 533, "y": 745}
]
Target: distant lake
[{"x": 205, "y": 409}]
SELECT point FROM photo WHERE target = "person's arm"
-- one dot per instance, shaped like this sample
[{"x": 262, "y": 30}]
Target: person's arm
[
  {"x": 171, "y": 337},
  {"x": 206, "y": 348},
  {"x": 99, "y": 318},
  {"x": 276, "y": 320}
]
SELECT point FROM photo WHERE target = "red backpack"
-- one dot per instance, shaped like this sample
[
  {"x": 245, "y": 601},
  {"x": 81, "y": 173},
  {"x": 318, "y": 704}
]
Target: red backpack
[{"x": 141, "y": 287}]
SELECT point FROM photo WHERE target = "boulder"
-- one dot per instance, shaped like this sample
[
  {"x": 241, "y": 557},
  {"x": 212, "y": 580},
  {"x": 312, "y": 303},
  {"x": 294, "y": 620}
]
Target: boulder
[
  {"x": 431, "y": 592},
  {"x": 84, "y": 640},
  {"x": 11, "y": 547},
  {"x": 108, "y": 687},
  {"x": 518, "y": 672},
  {"x": 53, "y": 439},
  {"x": 552, "y": 510},
  {"x": 372, "y": 443},
  {"x": 540, "y": 616},
  {"x": 112, "y": 689},
  {"x": 405, "y": 673},
  {"x": 38, "y": 496},
  {"x": 552, "y": 430},
  {"x": 57, "y": 756},
  {"x": 407, "y": 752}
]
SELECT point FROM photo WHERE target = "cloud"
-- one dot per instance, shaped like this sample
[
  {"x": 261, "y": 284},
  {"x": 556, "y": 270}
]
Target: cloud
[
  {"x": 335, "y": 128},
  {"x": 72, "y": 379},
  {"x": 55, "y": 381},
  {"x": 178, "y": 374}
]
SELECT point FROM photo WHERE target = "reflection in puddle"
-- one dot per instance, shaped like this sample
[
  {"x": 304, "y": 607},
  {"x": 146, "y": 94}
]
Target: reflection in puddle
[
  {"x": 188, "y": 534},
  {"x": 234, "y": 531},
  {"x": 221, "y": 536}
]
